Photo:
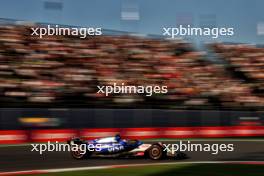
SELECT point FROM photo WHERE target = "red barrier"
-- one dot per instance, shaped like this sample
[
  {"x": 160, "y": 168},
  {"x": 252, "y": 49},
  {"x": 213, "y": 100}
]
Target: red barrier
[
  {"x": 13, "y": 136},
  {"x": 98, "y": 132},
  {"x": 179, "y": 132},
  {"x": 176, "y": 132},
  {"x": 201, "y": 132},
  {"x": 62, "y": 135},
  {"x": 141, "y": 133}
]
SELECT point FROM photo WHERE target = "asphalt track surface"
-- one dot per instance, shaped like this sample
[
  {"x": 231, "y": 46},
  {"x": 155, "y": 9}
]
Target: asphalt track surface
[{"x": 19, "y": 158}]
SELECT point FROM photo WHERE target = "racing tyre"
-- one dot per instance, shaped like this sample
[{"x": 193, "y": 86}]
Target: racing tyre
[
  {"x": 78, "y": 154},
  {"x": 155, "y": 152}
]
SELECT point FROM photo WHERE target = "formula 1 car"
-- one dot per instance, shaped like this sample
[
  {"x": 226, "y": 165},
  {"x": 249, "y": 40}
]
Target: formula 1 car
[{"x": 117, "y": 147}]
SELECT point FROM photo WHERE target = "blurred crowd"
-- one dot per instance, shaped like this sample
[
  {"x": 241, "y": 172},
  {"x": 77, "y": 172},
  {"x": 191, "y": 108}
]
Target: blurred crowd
[
  {"x": 64, "y": 71},
  {"x": 245, "y": 62}
]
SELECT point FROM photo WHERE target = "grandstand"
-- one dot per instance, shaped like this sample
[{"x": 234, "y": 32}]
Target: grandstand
[{"x": 64, "y": 71}]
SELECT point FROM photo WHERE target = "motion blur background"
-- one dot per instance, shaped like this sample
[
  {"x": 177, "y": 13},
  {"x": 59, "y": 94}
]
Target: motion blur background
[
  {"x": 48, "y": 86},
  {"x": 51, "y": 83}
]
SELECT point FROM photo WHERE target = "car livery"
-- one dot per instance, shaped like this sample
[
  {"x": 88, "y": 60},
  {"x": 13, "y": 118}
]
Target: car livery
[{"x": 117, "y": 147}]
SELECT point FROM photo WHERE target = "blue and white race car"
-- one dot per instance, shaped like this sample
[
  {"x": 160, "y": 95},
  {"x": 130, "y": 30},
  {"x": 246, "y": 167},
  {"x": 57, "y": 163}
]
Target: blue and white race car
[{"x": 118, "y": 147}]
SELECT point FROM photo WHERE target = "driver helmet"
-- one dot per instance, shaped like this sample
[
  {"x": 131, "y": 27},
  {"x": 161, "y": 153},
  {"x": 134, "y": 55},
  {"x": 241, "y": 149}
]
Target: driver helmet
[{"x": 117, "y": 137}]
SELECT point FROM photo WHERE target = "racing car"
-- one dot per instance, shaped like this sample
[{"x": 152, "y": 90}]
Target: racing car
[{"x": 117, "y": 147}]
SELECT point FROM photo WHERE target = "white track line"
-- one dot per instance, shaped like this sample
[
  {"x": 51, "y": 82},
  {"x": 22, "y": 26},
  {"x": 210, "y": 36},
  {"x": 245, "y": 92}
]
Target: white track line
[{"x": 123, "y": 166}]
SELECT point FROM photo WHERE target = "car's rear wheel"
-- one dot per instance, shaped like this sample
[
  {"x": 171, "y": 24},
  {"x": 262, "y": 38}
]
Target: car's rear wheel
[
  {"x": 76, "y": 152},
  {"x": 155, "y": 152}
]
